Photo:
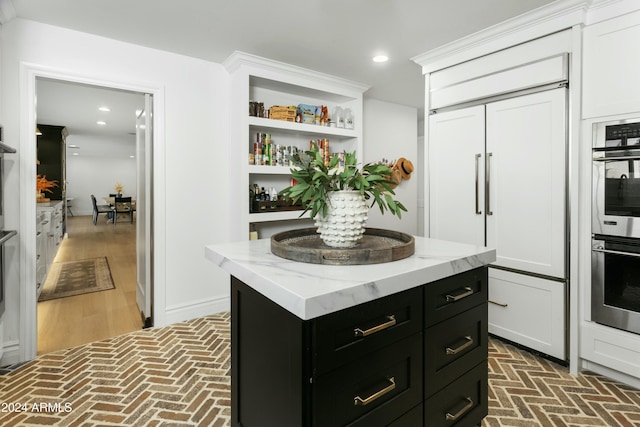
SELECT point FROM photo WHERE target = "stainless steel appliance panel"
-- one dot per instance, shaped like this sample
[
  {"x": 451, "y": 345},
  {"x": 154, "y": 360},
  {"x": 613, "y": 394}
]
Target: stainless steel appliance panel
[
  {"x": 616, "y": 179},
  {"x": 615, "y": 282}
]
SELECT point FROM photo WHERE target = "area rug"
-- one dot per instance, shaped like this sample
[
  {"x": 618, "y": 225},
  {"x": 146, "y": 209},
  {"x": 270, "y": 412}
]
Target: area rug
[{"x": 66, "y": 279}]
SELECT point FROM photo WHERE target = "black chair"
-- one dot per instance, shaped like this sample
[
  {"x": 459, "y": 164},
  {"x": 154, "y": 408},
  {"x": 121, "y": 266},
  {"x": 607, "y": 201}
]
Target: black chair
[
  {"x": 122, "y": 205},
  {"x": 98, "y": 209}
]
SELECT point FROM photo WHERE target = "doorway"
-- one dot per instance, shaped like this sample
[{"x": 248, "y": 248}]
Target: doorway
[{"x": 109, "y": 142}]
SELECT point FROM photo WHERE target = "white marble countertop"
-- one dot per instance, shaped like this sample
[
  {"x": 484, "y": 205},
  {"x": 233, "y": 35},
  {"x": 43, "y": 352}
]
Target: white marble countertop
[{"x": 313, "y": 290}]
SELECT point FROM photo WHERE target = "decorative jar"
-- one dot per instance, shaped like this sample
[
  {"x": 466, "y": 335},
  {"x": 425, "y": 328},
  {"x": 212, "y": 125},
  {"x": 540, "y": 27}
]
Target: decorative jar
[{"x": 345, "y": 221}]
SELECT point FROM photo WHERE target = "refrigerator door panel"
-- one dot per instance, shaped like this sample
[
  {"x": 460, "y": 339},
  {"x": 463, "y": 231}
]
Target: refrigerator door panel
[
  {"x": 526, "y": 150},
  {"x": 456, "y": 175}
]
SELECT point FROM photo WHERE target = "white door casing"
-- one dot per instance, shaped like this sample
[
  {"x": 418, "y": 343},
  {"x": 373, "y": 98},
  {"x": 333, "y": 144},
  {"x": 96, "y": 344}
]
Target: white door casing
[
  {"x": 144, "y": 218},
  {"x": 28, "y": 333}
]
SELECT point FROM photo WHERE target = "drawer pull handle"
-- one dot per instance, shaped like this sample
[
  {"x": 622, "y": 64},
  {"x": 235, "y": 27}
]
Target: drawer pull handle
[
  {"x": 358, "y": 401},
  {"x": 499, "y": 304},
  {"x": 461, "y": 412},
  {"x": 468, "y": 343},
  {"x": 391, "y": 321},
  {"x": 467, "y": 292}
]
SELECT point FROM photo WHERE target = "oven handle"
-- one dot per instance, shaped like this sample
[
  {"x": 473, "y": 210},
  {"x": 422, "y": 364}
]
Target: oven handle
[
  {"x": 606, "y": 159},
  {"x": 608, "y": 251}
]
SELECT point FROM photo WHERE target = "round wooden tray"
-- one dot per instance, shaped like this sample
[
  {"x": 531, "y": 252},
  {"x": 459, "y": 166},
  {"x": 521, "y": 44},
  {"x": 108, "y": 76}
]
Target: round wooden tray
[{"x": 376, "y": 246}]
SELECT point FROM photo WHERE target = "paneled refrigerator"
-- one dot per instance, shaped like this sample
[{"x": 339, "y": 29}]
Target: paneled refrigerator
[{"x": 497, "y": 177}]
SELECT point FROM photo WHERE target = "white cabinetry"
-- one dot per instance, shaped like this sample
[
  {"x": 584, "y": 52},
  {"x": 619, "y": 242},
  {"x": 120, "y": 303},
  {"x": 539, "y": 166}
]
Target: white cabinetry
[
  {"x": 610, "y": 83},
  {"x": 497, "y": 177},
  {"x": 274, "y": 83},
  {"x": 42, "y": 223},
  {"x": 610, "y": 89},
  {"x": 49, "y": 226}
]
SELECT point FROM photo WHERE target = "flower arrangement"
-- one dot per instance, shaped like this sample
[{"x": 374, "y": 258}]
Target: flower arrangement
[
  {"x": 44, "y": 185},
  {"x": 118, "y": 187},
  {"x": 315, "y": 178}
]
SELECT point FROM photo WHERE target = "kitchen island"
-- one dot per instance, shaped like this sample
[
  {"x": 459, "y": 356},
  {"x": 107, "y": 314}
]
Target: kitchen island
[{"x": 391, "y": 344}]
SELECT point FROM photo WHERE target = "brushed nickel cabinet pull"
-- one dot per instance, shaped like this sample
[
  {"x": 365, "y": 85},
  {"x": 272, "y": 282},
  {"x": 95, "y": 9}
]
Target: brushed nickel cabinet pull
[
  {"x": 453, "y": 298},
  {"x": 478, "y": 211},
  {"x": 391, "y": 321},
  {"x": 499, "y": 304},
  {"x": 468, "y": 343},
  {"x": 461, "y": 412},
  {"x": 487, "y": 191},
  {"x": 358, "y": 401}
]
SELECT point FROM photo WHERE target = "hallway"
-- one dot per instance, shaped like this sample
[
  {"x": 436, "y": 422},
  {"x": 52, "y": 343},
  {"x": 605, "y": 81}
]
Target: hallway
[{"x": 77, "y": 320}]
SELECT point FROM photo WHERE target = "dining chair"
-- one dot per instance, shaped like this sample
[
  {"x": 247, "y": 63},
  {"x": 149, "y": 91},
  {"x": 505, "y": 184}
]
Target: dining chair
[
  {"x": 122, "y": 205},
  {"x": 98, "y": 209}
]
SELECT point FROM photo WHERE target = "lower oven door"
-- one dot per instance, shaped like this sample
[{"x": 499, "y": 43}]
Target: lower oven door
[{"x": 615, "y": 282}]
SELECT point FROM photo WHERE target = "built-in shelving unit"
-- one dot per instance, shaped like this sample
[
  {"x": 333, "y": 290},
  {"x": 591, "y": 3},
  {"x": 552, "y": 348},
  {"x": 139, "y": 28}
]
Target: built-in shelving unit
[{"x": 274, "y": 83}]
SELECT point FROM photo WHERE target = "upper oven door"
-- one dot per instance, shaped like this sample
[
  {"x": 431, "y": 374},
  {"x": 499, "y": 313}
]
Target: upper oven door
[{"x": 616, "y": 180}]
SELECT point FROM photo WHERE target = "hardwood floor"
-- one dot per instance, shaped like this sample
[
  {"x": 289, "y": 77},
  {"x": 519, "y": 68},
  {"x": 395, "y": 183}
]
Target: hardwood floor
[{"x": 72, "y": 321}]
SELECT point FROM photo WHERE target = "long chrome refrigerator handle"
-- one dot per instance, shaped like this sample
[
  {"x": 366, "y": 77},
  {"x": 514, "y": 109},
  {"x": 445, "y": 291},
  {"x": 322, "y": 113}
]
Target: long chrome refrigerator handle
[
  {"x": 487, "y": 191},
  {"x": 478, "y": 211}
]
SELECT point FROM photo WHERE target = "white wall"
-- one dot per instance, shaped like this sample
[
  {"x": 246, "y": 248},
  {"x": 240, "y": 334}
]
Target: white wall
[
  {"x": 191, "y": 177},
  {"x": 190, "y": 147},
  {"x": 390, "y": 132},
  {"x": 97, "y": 175}
]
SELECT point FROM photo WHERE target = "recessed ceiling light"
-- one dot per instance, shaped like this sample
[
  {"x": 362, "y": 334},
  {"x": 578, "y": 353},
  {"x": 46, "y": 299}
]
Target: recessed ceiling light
[
  {"x": 132, "y": 157},
  {"x": 106, "y": 109},
  {"x": 75, "y": 154},
  {"x": 73, "y": 146},
  {"x": 380, "y": 58},
  {"x": 101, "y": 122}
]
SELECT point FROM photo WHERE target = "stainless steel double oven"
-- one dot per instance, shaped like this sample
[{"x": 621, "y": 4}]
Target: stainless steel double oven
[{"x": 615, "y": 225}]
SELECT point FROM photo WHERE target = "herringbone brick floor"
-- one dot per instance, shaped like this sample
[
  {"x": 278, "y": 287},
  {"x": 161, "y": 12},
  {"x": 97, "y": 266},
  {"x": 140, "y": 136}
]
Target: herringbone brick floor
[{"x": 179, "y": 376}]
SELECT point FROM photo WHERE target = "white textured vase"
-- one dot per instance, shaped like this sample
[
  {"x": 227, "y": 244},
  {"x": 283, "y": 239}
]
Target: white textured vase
[{"x": 346, "y": 218}]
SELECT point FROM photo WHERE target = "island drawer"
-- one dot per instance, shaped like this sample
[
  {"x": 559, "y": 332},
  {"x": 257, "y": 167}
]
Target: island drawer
[
  {"x": 453, "y": 295},
  {"x": 413, "y": 418},
  {"x": 371, "y": 391},
  {"x": 462, "y": 403},
  {"x": 350, "y": 334},
  {"x": 452, "y": 346}
]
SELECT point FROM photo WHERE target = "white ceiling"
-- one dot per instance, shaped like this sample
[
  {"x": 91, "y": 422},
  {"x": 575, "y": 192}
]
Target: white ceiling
[
  {"x": 76, "y": 107},
  {"x": 337, "y": 37}
]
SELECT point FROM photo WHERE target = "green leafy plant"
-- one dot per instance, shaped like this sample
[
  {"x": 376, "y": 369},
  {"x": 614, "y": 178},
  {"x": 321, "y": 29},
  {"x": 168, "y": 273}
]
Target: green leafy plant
[{"x": 314, "y": 179}]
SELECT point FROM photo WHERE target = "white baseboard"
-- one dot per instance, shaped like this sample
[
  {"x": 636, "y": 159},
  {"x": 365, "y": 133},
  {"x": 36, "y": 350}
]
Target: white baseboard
[
  {"x": 181, "y": 313},
  {"x": 10, "y": 353},
  {"x": 611, "y": 373}
]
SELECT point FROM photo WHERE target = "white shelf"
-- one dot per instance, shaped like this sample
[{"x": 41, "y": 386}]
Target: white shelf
[
  {"x": 301, "y": 128},
  {"x": 277, "y": 216},
  {"x": 269, "y": 170}
]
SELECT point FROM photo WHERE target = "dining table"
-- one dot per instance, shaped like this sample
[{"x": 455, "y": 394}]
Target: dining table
[{"x": 111, "y": 201}]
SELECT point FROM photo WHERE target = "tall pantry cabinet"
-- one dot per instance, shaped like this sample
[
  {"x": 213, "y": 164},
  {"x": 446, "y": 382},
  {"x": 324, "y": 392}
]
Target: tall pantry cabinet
[{"x": 497, "y": 177}]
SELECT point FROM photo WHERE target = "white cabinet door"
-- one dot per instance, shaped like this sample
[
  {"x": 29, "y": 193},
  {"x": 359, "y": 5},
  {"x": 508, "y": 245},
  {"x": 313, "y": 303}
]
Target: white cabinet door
[
  {"x": 610, "y": 83},
  {"x": 528, "y": 310},
  {"x": 456, "y": 158},
  {"x": 526, "y": 146}
]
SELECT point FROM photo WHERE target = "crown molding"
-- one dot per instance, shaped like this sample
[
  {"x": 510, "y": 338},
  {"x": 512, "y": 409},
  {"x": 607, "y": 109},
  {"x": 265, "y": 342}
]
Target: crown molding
[
  {"x": 237, "y": 60},
  {"x": 548, "y": 19},
  {"x": 601, "y": 10},
  {"x": 7, "y": 11}
]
